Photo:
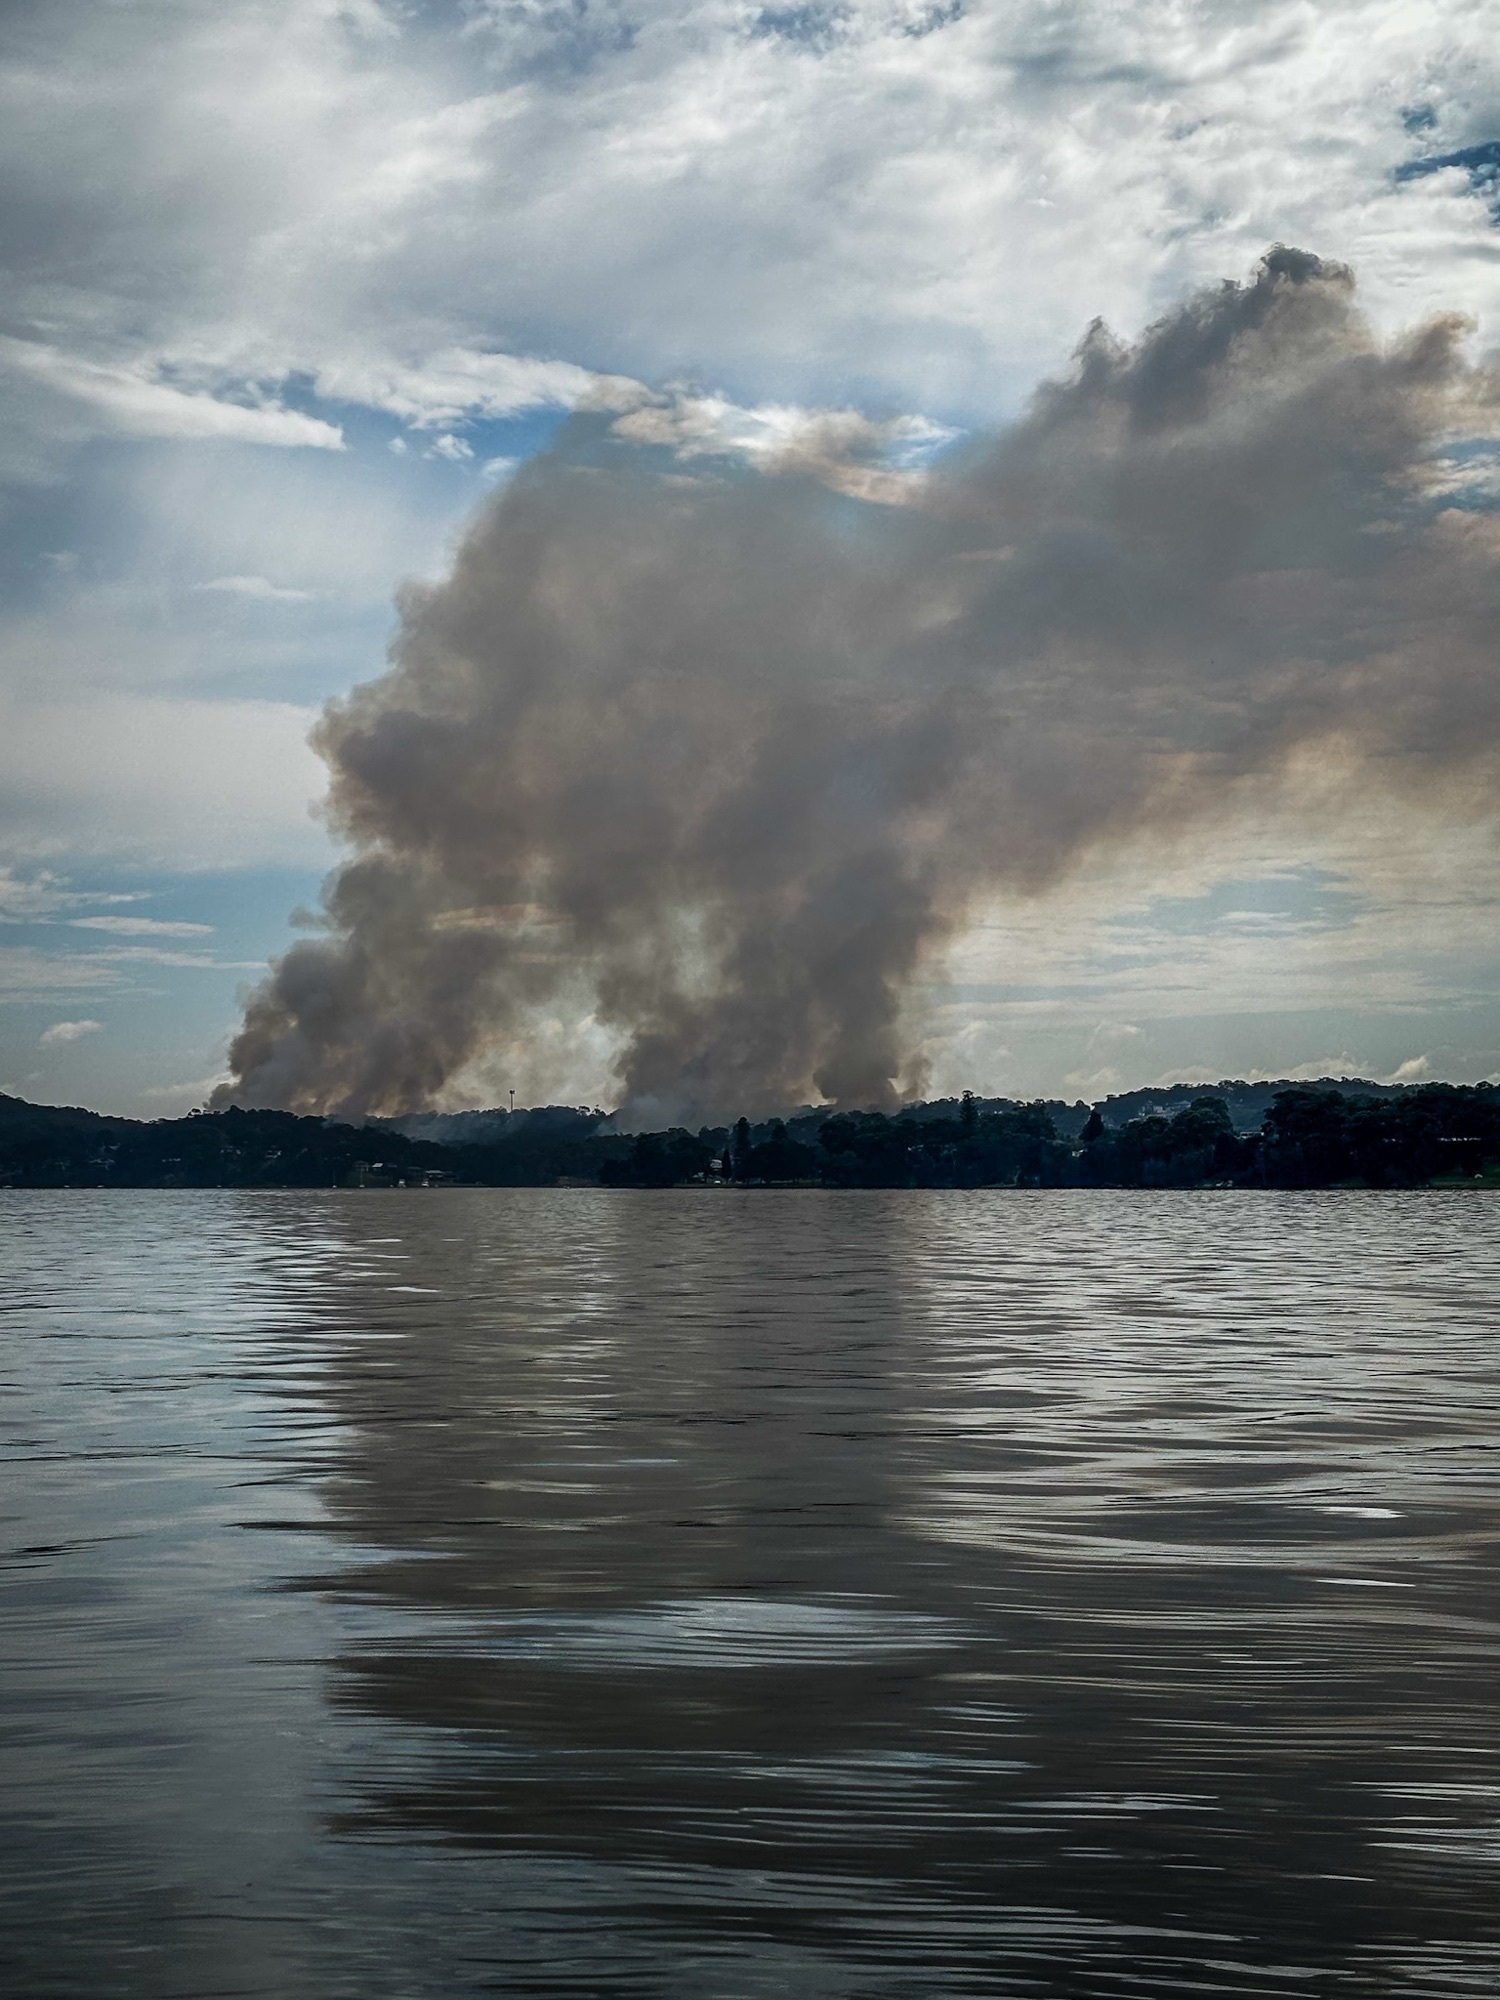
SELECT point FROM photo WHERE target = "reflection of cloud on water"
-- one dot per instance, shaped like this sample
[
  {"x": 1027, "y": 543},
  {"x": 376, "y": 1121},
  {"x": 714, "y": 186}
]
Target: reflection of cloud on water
[{"x": 1138, "y": 1383}]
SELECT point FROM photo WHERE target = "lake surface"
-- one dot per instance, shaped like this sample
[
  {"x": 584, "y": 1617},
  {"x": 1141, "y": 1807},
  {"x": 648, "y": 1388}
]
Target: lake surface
[{"x": 742, "y": 1594}]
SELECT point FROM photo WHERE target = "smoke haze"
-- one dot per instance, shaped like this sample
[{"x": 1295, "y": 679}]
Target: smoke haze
[{"x": 721, "y": 757}]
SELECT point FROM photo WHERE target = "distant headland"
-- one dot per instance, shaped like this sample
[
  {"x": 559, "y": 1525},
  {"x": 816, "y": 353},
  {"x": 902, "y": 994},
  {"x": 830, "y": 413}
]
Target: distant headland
[{"x": 1333, "y": 1132}]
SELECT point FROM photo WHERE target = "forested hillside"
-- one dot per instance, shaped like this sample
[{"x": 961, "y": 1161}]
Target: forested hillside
[{"x": 1312, "y": 1135}]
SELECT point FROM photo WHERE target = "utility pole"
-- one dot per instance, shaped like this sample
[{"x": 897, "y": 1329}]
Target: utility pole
[{"x": 513, "y": 1100}]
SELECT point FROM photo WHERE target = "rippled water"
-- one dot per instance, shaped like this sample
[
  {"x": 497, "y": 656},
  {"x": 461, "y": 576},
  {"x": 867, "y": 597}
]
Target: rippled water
[{"x": 750, "y": 1594}]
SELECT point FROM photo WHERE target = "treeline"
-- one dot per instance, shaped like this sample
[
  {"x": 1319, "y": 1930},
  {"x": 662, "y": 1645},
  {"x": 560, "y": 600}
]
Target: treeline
[
  {"x": 50, "y": 1146},
  {"x": 1313, "y": 1136},
  {"x": 1320, "y": 1135}
]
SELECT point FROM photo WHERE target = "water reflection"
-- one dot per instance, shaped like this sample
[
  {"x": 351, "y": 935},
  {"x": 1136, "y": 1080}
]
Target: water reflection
[
  {"x": 966, "y": 1591},
  {"x": 806, "y": 1594}
]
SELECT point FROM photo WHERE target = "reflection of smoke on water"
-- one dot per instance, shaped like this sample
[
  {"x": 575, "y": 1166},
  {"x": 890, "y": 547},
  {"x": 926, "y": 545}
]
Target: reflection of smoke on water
[
  {"x": 696, "y": 1633},
  {"x": 900, "y": 1595},
  {"x": 732, "y": 1597},
  {"x": 584, "y": 1413}
]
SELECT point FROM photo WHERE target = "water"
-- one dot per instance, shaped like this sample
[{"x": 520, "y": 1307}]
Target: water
[{"x": 730, "y": 1595}]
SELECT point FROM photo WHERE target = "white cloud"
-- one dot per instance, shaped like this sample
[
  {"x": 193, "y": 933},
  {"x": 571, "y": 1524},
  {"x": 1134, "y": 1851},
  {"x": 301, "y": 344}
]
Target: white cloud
[
  {"x": 868, "y": 458},
  {"x": 1091, "y": 1082},
  {"x": 138, "y": 406},
  {"x": 1416, "y": 1069},
  {"x": 258, "y": 588},
  {"x": 455, "y": 382},
  {"x": 1113, "y": 1034},
  {"x": 68, "y": 1031},
  {"x": 28, "y": 975},
  {"x": 26, "y": 899},
  {"x": 336, "y": 525},
  {"x": 900, "y": 202},
  {"x": 39, "y": 895},
  {"x": 170, "y": 1097},
  {"x": 187, "y": 784},
  {"x": 1312, "y": 1069},
  {"x": 695, "y": 425},
  {"x": 140, "y": 927},
  {"x": 197, "y": 961}
]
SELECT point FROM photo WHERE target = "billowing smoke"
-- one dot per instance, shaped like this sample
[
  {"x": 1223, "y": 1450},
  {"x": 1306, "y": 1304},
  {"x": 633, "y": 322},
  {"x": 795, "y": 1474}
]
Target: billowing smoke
[{"x": 725, "y": 754}]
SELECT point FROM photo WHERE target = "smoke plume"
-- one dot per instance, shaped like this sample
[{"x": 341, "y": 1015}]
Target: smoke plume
[{"x": 724, "y": 754}]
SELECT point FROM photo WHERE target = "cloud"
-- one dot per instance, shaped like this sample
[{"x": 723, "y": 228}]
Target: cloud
[
  {"x": 453, "y": 383},
  {"x": 186, "y": 783},
  {"x": 138, "y": 406},
  {"x": 30, "y": 898},
  {"x": 258, "y": 588},
  {"x": 68, "y": 1031},
  {"x": 1091, "y": 1082},
  {"x": 140, "y": 927},
  {"x": 197, "y": 961},
  {"x": 1416, "y": 1069},
  {"x": 908, "y": 205},
  {"x": 1341, "y": 1065},
  {"x": 177, "y": 1096},
  {"x": 864, "y": 457},
  {"x": 28, "y": 975},
  {"x": 39, "y": 895}
]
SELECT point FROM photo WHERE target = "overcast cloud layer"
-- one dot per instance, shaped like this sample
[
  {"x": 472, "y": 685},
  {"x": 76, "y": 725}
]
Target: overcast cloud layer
[
  {"x": 287, "y": 287},
  {"x": 441, "y": 210}
]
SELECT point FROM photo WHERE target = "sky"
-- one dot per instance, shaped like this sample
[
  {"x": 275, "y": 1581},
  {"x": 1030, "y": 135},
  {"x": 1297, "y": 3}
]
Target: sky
[{"x": 291, "y": 288}]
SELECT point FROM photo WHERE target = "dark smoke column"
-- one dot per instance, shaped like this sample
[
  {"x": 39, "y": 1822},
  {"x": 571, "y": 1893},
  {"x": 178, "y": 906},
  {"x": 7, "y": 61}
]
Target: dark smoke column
[{"x": 726, "y": 754}]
